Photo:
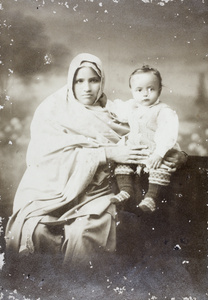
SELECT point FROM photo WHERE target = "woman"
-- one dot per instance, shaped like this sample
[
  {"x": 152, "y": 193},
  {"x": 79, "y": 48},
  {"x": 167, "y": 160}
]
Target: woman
[{"x": 63, "y": 201}]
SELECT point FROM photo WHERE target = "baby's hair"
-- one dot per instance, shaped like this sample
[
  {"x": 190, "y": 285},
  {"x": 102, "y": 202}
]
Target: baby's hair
[{"x": 146, "y": 69}]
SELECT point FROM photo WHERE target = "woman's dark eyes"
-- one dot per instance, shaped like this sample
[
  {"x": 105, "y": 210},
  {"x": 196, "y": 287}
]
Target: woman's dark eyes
[
  {"x": 79, "y": 81},
  {"x": 93, "y": 80}
]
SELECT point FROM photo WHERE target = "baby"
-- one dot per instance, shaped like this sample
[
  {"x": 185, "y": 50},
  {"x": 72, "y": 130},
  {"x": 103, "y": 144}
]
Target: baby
[{"x": 154, "y": 124}]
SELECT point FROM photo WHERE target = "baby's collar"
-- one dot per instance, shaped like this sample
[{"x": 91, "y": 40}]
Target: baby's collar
[{"x": 156, "y": 102}]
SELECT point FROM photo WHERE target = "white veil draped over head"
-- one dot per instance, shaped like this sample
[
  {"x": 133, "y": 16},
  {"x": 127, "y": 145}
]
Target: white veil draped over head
[
  {"x": 85, "y": 60},
  {"x": 66, "y": 148}
]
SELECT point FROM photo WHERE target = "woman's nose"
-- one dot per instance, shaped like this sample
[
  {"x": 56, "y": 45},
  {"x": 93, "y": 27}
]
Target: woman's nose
[{"x": 86, "y": 86}]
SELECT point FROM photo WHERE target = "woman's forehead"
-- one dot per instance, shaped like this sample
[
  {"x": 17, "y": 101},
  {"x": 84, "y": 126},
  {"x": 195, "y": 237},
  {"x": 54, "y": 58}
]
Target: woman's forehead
[{"x": 86, "y": 72}]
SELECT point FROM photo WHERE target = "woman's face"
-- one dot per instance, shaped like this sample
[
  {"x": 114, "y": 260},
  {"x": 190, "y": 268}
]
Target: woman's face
[{"x": 86, "y": 86}]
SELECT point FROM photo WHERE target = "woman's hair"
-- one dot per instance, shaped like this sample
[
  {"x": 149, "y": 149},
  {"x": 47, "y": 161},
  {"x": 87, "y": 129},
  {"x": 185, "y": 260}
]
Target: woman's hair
[{"x": 146, "y": 69}]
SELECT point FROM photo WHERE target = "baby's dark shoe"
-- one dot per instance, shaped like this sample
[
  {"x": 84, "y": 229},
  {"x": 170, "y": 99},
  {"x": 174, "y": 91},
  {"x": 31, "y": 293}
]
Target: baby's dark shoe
[
  {"x": 120, "y": 197},
  {"x": 147, "y": 205}
]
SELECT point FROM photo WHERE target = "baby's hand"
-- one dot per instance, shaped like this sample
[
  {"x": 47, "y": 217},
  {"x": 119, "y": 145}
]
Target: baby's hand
[{"x": 155, "y": 161}]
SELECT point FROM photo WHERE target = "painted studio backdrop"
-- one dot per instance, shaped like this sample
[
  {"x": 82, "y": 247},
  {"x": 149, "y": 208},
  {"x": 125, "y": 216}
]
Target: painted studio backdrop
[{"x": 39, "y": 38}]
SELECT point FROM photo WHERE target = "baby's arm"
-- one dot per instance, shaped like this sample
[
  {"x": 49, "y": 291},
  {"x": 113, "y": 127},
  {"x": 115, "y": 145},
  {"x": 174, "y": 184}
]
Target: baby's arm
[
  {"x": 154, "y": 161},
  {"x": 165, "y": 137},
  {"x": 167, "y": 131}
]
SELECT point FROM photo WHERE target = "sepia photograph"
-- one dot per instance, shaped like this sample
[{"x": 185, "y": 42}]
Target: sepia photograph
[{"x": 103, "y": 149}]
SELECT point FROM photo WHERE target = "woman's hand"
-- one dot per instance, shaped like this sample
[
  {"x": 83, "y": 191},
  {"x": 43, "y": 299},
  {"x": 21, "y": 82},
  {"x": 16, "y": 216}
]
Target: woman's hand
[
  {"x": 127, "y": 154},
  {"x": 175, "y": 159}
]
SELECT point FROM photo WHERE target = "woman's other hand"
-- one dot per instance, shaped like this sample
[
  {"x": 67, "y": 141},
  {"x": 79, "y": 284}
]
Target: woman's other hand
[
  {"x": 175, "y": 159},
  {"x": 127, "y": 154}
]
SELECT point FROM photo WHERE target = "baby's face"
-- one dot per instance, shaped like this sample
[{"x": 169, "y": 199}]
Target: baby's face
[{"x": 145, "y": 88}]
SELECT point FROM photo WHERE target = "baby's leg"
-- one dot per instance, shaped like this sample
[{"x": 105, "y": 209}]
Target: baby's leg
[
  {"x": 157, "y": 179},
  {"x": 124, "y": 178}
]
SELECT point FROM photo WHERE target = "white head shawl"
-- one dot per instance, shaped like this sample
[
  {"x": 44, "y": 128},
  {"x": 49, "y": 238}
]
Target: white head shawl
[{"x": 85, "y": 60}]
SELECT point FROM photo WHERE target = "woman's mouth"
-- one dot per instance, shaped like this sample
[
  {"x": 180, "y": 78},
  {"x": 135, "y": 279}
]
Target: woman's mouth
[{"x": 87, "y": 95}]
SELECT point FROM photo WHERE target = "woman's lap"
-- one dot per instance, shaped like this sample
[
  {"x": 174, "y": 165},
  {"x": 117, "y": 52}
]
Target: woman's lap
[
  {"x": 79, "y": 240},
  {"x": 86, "y": 236}
]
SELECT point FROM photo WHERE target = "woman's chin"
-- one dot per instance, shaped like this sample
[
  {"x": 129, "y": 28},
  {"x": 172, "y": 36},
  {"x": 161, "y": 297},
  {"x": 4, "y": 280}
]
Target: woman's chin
[{"x": 87, "y": 101}]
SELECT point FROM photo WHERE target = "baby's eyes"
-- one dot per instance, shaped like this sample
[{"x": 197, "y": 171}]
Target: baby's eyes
[{"x": 149, "y": 90}]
